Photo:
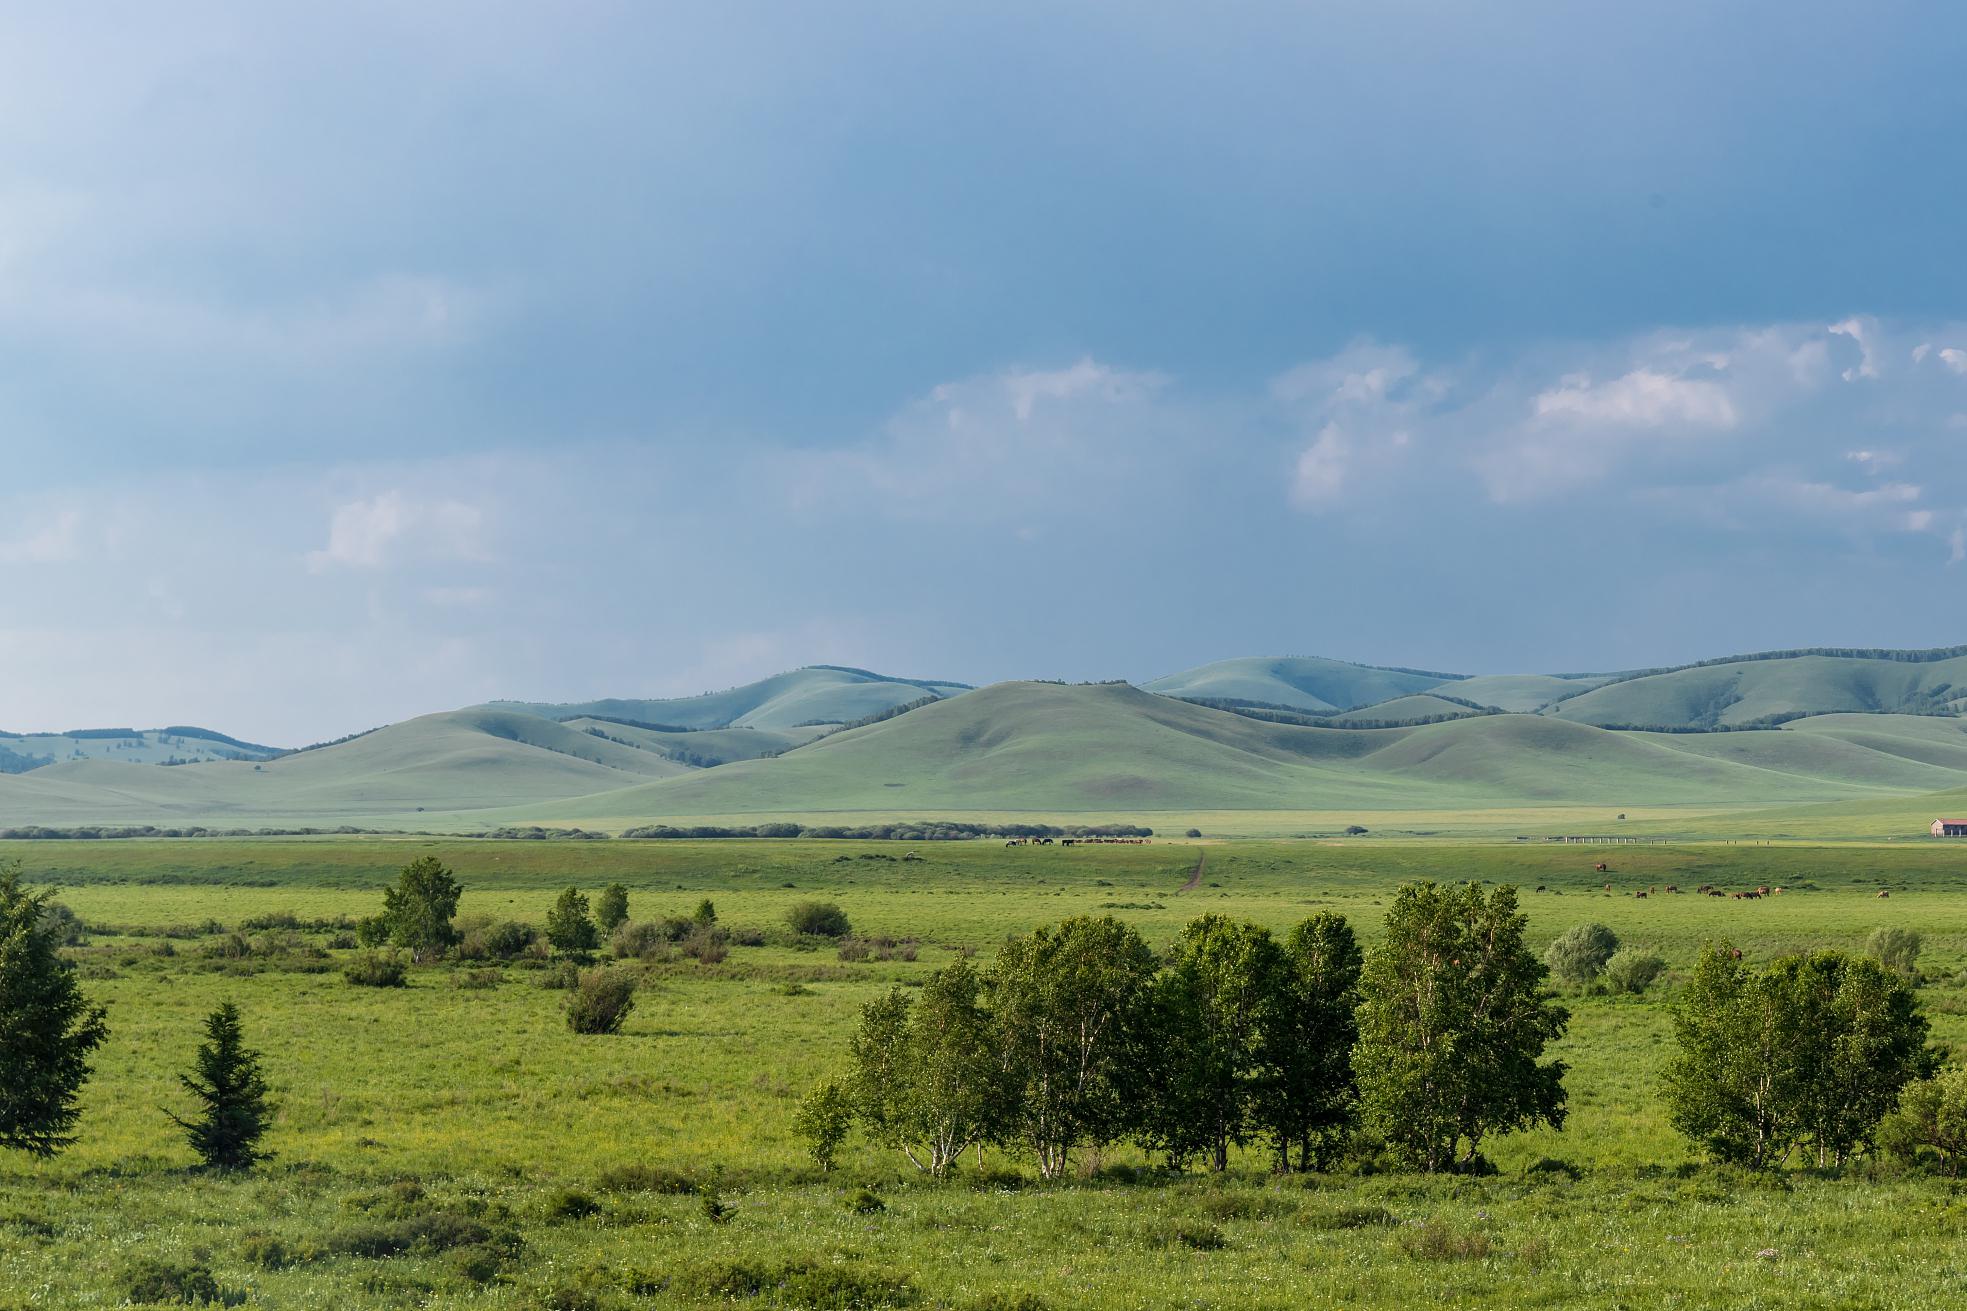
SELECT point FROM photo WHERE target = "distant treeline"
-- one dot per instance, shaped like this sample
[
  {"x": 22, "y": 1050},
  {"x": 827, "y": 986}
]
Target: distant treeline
[
  {"x": 930, "y": 684},
  {"x": 927, "y": 831},
  {"x": 1931, "y": 655},
  {"x": 877, "y": 717},
  {"x": 15, "y": 762},
  {"x": 39, "y": 833},
  {"x": 638, "y": 723},
  {"x": 1272, "y": 713},
  {"x": 534, "y": 833}
]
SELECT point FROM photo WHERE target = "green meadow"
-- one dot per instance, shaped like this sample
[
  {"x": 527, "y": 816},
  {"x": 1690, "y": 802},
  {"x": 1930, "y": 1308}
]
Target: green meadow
[{"x": 452, "y": 1144}]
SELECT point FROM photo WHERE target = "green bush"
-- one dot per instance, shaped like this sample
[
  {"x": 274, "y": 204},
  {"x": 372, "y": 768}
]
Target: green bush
[
  {"x": 866, "y": 1202},
  {"x": 1579, "y": 954},
  {"x": 1435, "y": 1241},
  {"x": 611, "y": 908},
  {"x": 485, "y": 939},
  {"x": 641, "y": 1178},
  {"x": 152, "y": 1280},
  {"x": 819, "y": 919},
  {"x": 571, "y": 1204},
  {"x": 377, "y": 969},
  {"x": 1930, "y": 1124},
  {"x": 1896, "y": 949},
  {"x": 268, "y": 1252},
  {"x": 601, "y": 1001},
  {"x": 1633, "y": 970}
]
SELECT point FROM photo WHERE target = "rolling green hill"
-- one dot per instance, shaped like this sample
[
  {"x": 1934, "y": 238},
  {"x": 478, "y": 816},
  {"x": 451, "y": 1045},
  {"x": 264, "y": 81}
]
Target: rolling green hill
[
  {"x": 1752, "y": 689},
  {"x": 21, "y": 752},
  {"x": 1808, "y": 728},
  {"x": 818, "y": 694},
  {"x": 1299, "y": 682},
  {"x": 1114, "y": 748},
  {"x": 464, "y": 759}
]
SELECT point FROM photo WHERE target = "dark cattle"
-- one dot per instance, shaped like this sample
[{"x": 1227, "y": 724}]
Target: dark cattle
[
  {"x": 1601, "y": 867},
  {"x": 1671, "y": 888},
  {"x": 1640, "y": 895}
]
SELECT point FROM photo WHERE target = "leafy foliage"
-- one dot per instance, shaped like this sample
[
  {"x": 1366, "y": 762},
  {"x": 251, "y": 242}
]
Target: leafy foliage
[
  {"x": 1810, "y": 1051},
  {"x": 926, "y": 1075},
  {"x": 1453, "y": 1022},
  {"x": 611, "y": 908},
  {"x": 417, "y": 912},
  {"x": 1068, "y": 1002},
  {"x": 1897, "y": 949},
  {"x": 1633, "y": 970},
  {"x": 1578, "y": 955},
  {"x": 600, "y": 1001},
  {"x": 820, "y": 919},
  {"x": 569, "y": 926},
  {"x": 1310, "y": 1099},
  {"x": 825, "y": 1116}
]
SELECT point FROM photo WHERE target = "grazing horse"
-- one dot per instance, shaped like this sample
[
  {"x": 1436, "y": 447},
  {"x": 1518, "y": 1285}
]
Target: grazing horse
[{"x": 1601, "y": 867}]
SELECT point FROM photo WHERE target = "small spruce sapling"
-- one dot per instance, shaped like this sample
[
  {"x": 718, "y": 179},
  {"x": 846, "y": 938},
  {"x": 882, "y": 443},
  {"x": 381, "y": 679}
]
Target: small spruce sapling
[{"x": 233, "y": 1107}]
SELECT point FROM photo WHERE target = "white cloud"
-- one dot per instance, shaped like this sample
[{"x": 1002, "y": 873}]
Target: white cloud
[
  {"x": 1954, "y": 358},
  {"x": 1361, "y": 405},
  {"x": 365, "y": 534},
  {"x": 1000, "y": 446},
  {"x": 1643, "y": 398},
  {"x": 1875, "y": 461},
  {"x": 55, "y": 541},
  {"x": 1862, "y": 331}
]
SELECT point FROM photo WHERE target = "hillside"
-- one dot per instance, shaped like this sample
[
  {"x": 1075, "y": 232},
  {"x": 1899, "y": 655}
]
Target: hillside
[
  {"x": 1034, "y": 746},
  {"x": 818, "y": 694},
  {"x": 21, "y": 752},
  {"x": 1752, "y": 689},
  {"x": 1299, "y": 682},
  {"x": 464, "y": 759}
]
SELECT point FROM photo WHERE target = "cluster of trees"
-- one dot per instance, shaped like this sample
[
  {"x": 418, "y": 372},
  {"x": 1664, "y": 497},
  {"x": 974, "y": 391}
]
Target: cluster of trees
[
  {"x": 49, "y": 1032},
  {"x": 1808, "y": 1053},
  {"x": 1080, "y": 1037}
]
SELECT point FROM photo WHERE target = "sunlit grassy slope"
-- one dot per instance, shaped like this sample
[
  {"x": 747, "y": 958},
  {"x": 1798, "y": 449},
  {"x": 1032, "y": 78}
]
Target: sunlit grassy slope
[
  {"x": 1113, "y": 748},
  {"x": 820, "y": 694},
  {"x": 1749, "y": 690},
  {"x": 1303, "y": 682}
]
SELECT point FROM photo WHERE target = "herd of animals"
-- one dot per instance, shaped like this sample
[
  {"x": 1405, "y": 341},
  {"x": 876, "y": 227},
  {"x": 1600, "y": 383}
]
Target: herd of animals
[{"x": 1706, "y": 889}]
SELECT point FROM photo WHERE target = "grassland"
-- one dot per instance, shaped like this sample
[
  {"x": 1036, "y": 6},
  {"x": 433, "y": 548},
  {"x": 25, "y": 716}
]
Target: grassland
[{"x": 475, "y": 1101}]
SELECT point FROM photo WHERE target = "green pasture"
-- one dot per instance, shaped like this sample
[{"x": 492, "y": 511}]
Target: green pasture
[{"x": 476, "y": 1101}]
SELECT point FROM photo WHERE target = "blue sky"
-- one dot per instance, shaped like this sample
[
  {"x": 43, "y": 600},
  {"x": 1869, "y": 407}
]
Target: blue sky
[{"x": 367, "y": 361}]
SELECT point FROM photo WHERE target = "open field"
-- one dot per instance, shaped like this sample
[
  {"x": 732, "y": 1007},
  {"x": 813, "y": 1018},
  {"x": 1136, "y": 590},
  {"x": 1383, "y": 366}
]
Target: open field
[{"x": 476, "y": 1102}]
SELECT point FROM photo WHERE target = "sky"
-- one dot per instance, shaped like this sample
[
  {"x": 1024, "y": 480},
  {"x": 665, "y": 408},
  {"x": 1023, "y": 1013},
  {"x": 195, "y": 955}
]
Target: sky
[{"x": 366, "y": 360}]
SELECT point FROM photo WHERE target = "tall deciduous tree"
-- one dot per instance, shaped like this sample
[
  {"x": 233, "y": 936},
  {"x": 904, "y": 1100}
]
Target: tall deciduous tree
[
  {"x": 417, "y": 912},
  {"x": 1809, "y": 1051},
  {"x": 611, "y": 908},
  {"x": 927, "y": 1078},
  {"x": 47, "y": 1027},
  {"x": 1068, "y": 1004},
  {"x": 1215, "y": 1004},
  {"x": 1311, "y": 1098},
  {"x": 1453, "y": 1022},
  {"x": 569, "y": 927},
  {"x": 233, "y": 1108}
]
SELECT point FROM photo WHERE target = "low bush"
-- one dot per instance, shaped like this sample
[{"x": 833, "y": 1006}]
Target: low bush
[
  {"x": 377, "y": 969},
  {"x": 1435, "y": 1241},
  {"x": 637, "y": 1177},
  {"x": 476, "y": 979},
  {"x": 1578, "y": 955},
  {"x": 152, "y": 1280},
  {"x": 818, "y": 919},
  {"x": 815, "y": 1285},
  {"x": 866, "y": 1202},
  {"x": 601, "y": 1001},
  {"x": 431, "y": 1231},
  {"x": 268, "y": 1252},
  {"x": 571, "y": 1204},
  {"x": 482, "y": 938},
  {"x": 1633, "y": 970},
  {"x": 1350, "y": 1217}
]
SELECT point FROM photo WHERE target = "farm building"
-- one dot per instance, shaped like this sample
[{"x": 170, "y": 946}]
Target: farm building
[{"x": 1949, "y": 828}]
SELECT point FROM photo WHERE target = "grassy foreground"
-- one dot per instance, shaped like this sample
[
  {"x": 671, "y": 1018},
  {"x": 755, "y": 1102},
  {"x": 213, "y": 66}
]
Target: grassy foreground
[{"x": 517, "y": 1165}]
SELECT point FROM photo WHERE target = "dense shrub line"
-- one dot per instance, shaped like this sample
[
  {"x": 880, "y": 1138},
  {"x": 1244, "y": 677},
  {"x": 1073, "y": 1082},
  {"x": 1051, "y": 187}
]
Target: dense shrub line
[{"x": 921, "y": 831}]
